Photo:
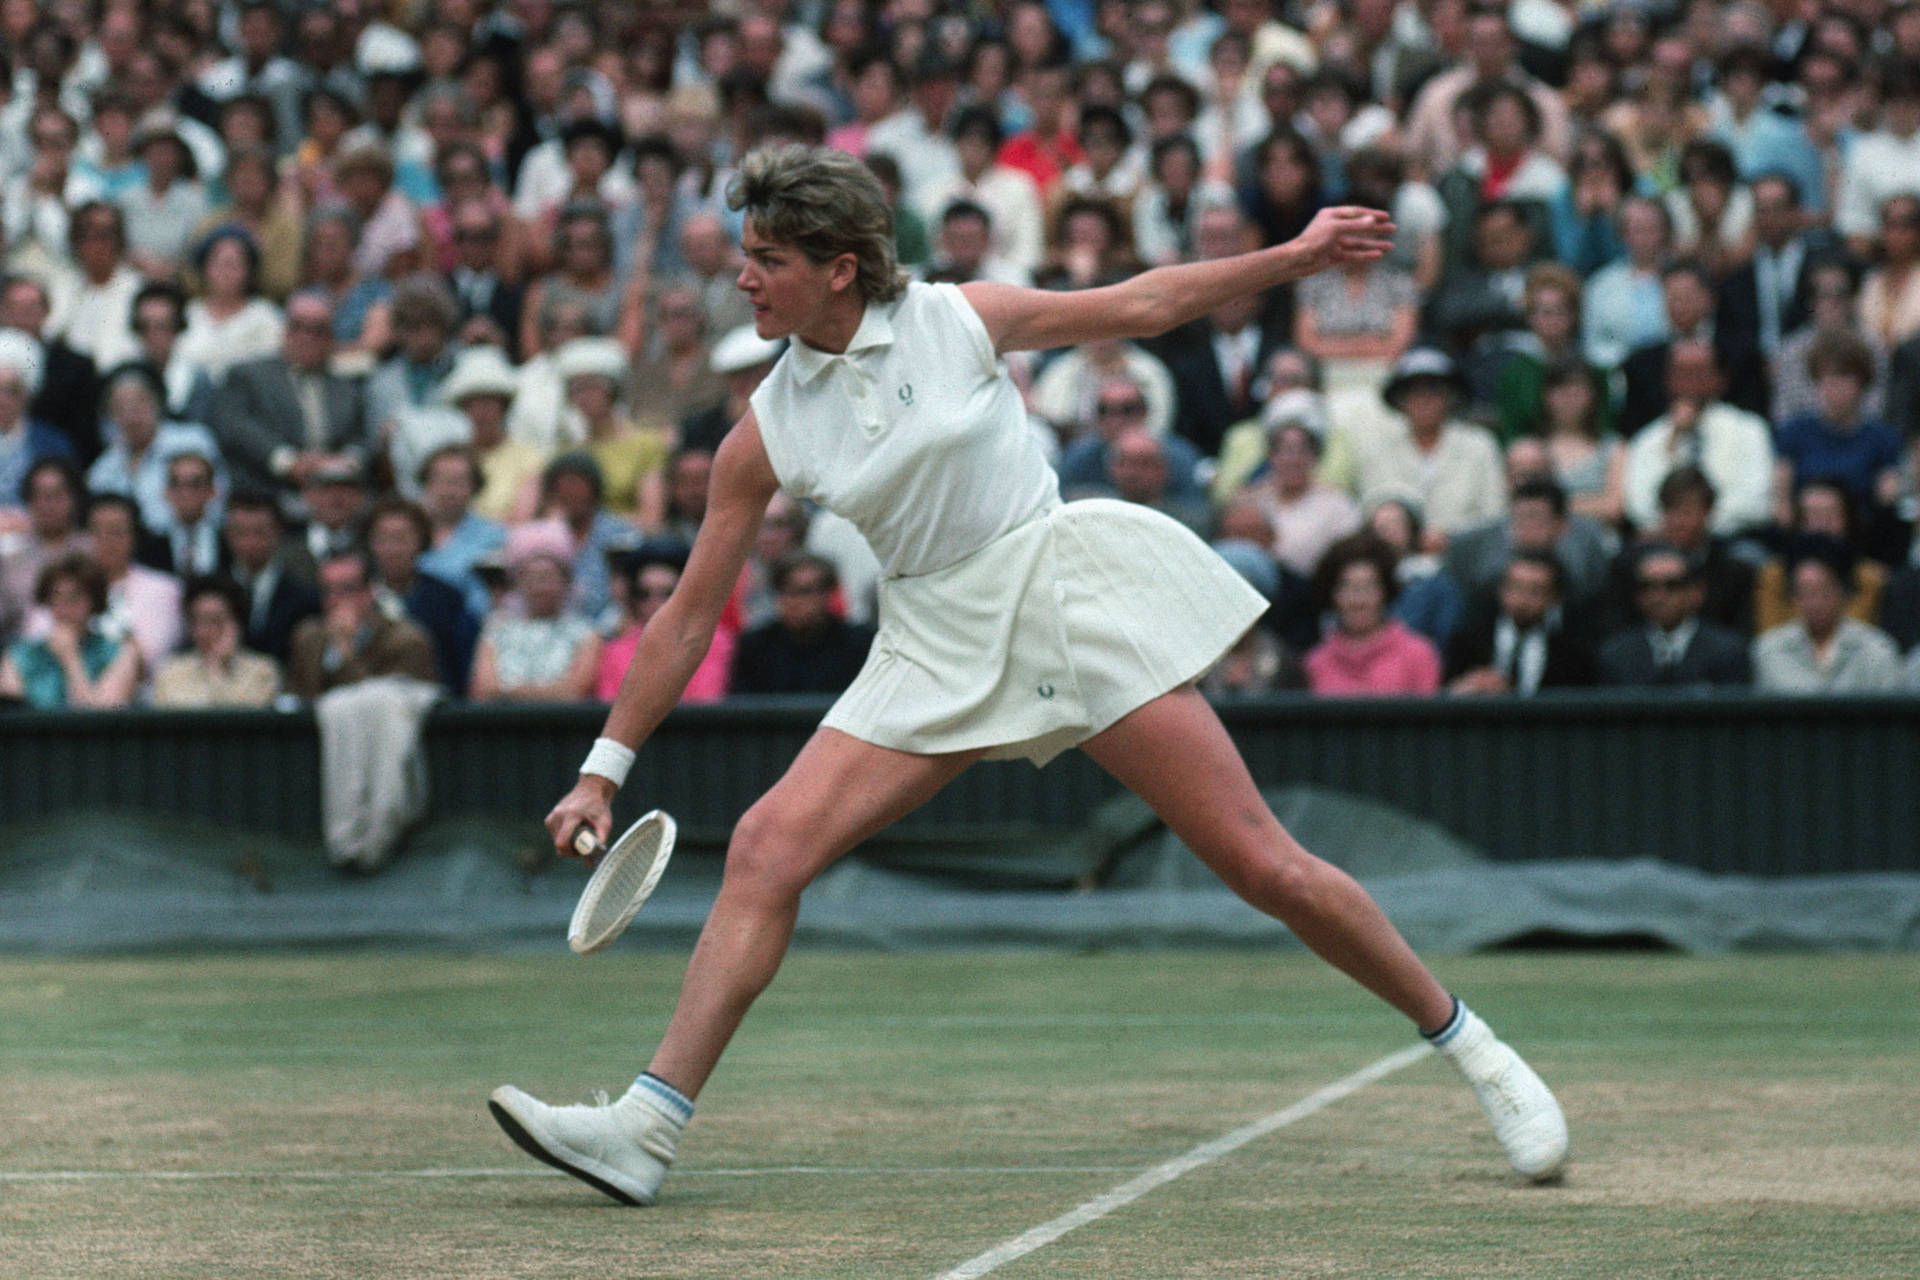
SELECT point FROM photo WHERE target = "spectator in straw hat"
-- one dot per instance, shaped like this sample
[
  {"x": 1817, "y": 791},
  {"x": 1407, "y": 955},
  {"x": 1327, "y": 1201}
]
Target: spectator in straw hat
[
  {"x": 481, "y": 388},
  {"x": 630, "y": 457}
]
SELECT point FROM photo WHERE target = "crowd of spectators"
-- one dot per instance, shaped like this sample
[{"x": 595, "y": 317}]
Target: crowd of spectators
[{"x": 350, "y": 341}]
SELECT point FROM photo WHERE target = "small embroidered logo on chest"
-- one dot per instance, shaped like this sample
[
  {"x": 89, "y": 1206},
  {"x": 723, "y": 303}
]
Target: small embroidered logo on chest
[
  {"x": 1045, "y": 691},
  {"x": 906, "y": 393}
]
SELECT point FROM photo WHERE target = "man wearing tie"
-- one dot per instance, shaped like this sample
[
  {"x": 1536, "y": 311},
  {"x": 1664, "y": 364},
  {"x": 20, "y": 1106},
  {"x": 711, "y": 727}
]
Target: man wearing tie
[
  {"x": 1764, "y": 299},
  {"x": 1672, "y": 644},
  {"x": 282, "y": 417},
  {"x": 1213, "y": 376},
  {"x": 276, "y": 600},
  {"x": 478, "y": 288},
  {"x": 1524, "y": 643},
  {"x": 189, "y": 545}
]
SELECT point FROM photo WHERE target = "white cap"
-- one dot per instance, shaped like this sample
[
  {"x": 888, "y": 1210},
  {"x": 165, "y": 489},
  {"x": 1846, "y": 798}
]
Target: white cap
[
  {"x": 479, "y": 371},
  {"x": 602, "y": 356},
  {"x": 742, "y": 348},
  {"x": 1296, "y": 405},
  {"x": 386, "y": 50}
]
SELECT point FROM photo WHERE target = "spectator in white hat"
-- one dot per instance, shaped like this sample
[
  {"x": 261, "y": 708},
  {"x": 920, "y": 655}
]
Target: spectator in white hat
[
  {"x": 481, "y": 388},
  {"x": 631, "y": 458}
]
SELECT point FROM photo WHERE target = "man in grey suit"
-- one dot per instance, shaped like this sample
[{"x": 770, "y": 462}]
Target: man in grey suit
[
  {"x": 1538, "y": 523},
  {"x": 282, "y": 417}
]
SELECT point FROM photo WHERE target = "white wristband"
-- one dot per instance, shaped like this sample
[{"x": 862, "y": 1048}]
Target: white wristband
[{"x": 610, "y": 760}]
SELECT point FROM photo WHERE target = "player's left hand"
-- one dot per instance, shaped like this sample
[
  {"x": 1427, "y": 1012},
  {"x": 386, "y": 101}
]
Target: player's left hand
[{"x": 1346, "y": 234}]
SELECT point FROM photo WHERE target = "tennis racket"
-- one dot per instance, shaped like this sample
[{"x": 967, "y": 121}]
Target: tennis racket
[{"x": 623, "y": 878}]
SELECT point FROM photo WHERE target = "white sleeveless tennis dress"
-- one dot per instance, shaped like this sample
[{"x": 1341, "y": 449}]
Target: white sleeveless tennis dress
[{"x": 1008, "y": 621}]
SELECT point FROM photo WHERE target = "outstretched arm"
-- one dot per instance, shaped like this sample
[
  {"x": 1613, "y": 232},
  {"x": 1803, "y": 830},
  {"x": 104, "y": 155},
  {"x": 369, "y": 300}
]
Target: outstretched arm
[
  {"x": 1161, "y": 299},
  {"x": 673, "y": 644}
]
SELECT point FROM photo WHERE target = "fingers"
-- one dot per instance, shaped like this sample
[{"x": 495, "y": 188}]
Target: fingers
[
  {"x": 578, "y": 827},
  {"x": 1352, "y": 221}
]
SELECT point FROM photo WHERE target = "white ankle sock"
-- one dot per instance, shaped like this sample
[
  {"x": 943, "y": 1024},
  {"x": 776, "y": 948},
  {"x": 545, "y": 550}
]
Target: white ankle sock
[{"x": 662, "y": 1096}]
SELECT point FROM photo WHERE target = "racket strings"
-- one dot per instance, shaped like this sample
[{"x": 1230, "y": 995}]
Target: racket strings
[
  {"x": 625, "y": 876},
  {"x": 623, "y": 882}
]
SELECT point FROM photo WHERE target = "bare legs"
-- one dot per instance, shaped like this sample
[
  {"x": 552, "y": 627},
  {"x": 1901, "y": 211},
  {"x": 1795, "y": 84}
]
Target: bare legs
[
  {"x": 1175, "y": 754},
  {"x": 838, "y": 792}
]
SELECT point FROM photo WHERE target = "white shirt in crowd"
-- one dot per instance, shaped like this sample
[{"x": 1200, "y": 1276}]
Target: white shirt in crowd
[
  {"x": 1732, "y": 446},
  {"x": 1878, "y": 166}
]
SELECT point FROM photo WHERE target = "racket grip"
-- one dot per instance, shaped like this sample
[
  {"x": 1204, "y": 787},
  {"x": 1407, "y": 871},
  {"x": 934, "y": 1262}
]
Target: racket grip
[{"x": 585, "y": 842}]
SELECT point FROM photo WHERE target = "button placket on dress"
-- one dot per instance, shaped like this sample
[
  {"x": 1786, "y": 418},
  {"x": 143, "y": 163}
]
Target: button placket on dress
[{"x": 861, "y": 393}]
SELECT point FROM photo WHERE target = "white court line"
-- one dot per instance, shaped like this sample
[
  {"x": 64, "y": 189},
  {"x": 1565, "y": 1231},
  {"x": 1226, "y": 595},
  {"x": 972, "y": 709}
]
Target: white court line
[
  {"x": 380, "y": 1175},
  {"x": 1161, "y": 1174}
]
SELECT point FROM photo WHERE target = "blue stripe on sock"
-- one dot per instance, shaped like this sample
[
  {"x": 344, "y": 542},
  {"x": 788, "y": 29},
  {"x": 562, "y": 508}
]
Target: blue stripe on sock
[
  {"x": 675, "y": 1101},
  {"x": 1448, "y": 1032}
]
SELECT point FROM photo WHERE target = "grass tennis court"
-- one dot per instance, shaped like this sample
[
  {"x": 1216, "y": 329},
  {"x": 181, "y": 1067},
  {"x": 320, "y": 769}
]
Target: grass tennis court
[{"x": 322, "y": 1115}]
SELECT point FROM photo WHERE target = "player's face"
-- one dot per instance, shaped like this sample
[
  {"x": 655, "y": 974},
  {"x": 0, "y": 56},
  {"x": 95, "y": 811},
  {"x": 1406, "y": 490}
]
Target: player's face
[{"x": 788, "y": 290}]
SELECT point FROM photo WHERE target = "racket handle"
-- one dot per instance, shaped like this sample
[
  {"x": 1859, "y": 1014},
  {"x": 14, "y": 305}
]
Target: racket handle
[{"x": 585, "y": 842}]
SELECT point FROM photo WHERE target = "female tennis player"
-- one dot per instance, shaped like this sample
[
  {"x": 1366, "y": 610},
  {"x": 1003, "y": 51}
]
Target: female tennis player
[{"x": 1011, "y": 625}]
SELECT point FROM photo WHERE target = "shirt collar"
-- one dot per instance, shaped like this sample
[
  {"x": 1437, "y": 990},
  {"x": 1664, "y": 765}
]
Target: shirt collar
[
  {"x": 1677, "y": 639},
  {"x": 875, "y": 330}
]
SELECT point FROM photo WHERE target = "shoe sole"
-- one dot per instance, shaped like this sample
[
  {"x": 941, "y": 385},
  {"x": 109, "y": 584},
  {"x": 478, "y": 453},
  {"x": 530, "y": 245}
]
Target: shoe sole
[{"x": 531, "y": 1145}]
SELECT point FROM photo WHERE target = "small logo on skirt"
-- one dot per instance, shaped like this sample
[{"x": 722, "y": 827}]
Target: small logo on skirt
[
  {"x": 1045, "y": 691},
  {"x": 906, "y": 393}
]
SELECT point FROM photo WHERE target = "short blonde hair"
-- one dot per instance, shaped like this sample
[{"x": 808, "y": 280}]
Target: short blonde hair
[{"x": 824, "y": 203}]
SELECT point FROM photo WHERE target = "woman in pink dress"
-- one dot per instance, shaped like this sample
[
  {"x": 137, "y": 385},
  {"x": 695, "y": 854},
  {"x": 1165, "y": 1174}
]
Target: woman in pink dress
[
  {"x": 651, "y": 578},
  {"x": 1368, "y": 652}
]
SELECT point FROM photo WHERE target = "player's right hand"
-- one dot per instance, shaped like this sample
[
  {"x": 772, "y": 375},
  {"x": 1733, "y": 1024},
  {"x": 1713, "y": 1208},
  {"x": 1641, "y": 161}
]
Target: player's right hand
[{"x": 589, "y": 805}]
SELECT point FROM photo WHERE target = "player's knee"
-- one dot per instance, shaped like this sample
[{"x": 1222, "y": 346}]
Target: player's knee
[
  {"x": 768, "y": 852},
  {"x": 1271, "y": 877}
]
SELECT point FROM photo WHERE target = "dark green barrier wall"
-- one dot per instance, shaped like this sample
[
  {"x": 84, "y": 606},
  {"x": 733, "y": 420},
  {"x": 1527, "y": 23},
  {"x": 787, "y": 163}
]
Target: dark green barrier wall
[{"x": 1763, "y": 786}]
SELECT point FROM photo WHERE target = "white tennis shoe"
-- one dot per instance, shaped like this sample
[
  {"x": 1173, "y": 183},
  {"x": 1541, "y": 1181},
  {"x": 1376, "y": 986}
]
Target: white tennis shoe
[
  {"x": 1526, "y": 1119},
  {"x": 621, "y": 1148}
]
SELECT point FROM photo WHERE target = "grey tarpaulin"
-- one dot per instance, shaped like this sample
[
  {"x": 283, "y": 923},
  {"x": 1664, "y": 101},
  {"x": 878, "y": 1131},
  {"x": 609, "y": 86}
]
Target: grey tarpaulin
[{"x": 108, "y": 883}]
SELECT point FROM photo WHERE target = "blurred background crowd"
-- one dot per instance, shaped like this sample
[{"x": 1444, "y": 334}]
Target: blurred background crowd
[{"x": 355, "y": 339}]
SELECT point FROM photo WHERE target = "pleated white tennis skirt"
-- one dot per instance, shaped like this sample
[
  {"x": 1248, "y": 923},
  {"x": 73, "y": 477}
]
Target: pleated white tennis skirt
[{"x": 1046, "y": 636}]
